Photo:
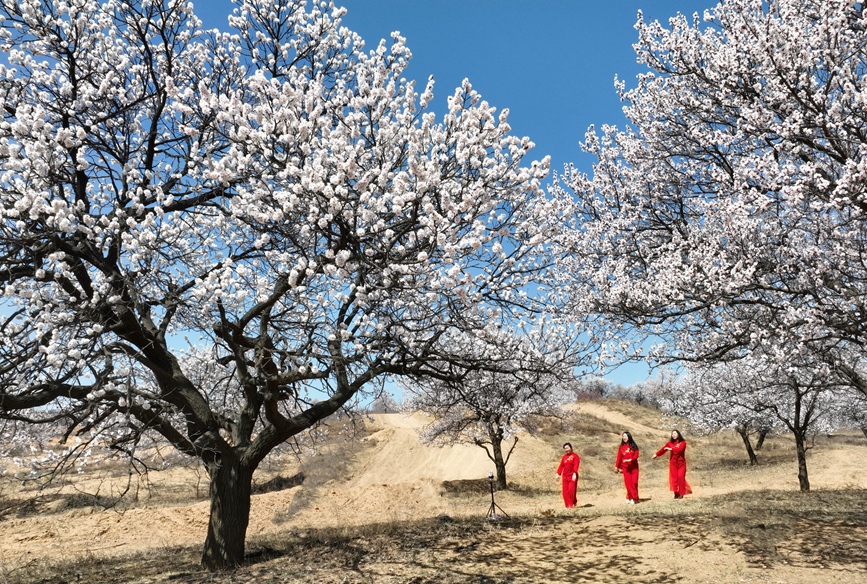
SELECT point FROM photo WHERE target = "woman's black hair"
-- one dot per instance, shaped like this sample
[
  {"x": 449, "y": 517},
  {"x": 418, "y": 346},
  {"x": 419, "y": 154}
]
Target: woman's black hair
[
  {"x": 569, "y": 444},
  {"x": 629, "y": 441},
  {"x": 679, "y": 436}
]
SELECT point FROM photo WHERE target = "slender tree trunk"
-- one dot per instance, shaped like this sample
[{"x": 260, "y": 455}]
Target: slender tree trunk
[
  {"x": 745, "y": 436},
  {"x": 801, "y": 446},
  {"x": 761, "y": 441},
  {"x": 230, "y": 489},
  {"x": 864, "y": 430},
  {"x": 499, "y": 463}
]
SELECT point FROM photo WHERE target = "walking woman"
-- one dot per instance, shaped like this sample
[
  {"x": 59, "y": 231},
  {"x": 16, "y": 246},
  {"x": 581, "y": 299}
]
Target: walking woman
[
  {"x": 568, "y": 473},
  {"x": 676, "y": 464},
  {"x": 627, "y": 463}
]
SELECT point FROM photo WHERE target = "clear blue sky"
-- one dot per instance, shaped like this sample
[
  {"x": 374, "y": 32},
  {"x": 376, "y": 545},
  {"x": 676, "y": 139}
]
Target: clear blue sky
[{"x": 552, "y": 63}]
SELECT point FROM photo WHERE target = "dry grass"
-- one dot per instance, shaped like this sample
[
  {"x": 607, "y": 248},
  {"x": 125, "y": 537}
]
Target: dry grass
[
  {"x": 644, "y": 415},
  {"x": 823, "y": 529},
  {"x": 588, "y": 426}
]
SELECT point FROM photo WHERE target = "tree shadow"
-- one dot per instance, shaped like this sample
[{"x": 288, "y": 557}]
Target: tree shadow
[
  {"x": 279, "y": 483},
  {"x": 466, "y": 487},
  {"x": 826, "y": 529}
]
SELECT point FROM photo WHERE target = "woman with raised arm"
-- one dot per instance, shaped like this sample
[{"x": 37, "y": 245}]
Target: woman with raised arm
[
  {"x": 676, "y": 464},
  {"x": 627, "y": 463}
]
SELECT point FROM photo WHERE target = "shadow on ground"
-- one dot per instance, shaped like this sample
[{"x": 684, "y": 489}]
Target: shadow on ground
[{"x": 826, "y": 529}]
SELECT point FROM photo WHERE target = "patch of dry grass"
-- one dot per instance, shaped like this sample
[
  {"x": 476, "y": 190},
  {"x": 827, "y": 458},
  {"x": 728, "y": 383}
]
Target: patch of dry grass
[
  {"x": 644, "y": 415},
  {"x": 461, "y": 488},
  {"x": 588, "y": 426}
]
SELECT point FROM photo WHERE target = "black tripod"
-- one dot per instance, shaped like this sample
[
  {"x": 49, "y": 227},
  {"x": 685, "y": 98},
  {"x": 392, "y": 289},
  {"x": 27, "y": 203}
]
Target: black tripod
[{"x": 494, "y": 508}]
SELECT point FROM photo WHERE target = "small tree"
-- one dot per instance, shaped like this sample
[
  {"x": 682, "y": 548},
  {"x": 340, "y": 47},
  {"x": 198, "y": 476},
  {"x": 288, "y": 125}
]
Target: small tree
[
  {"x": 801, "y": 397},
  {"x": 384, "y": 403},
  {"x": 487, "y": 407},
  {"x": 850, "y": 410},
  {"x": 710, "y": 404},
  {"x": 594, "y": 388}
]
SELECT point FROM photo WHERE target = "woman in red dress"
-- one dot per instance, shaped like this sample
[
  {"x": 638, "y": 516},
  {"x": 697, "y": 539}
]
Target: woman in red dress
[
  {"x": 568, "y": 472},
  {"x": 676, "y": 464},
  {"x": 627, "y": 463}
]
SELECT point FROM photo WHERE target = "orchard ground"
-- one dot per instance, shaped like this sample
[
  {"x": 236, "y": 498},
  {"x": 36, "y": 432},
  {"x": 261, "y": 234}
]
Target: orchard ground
[{"x": 387, "y": 509}]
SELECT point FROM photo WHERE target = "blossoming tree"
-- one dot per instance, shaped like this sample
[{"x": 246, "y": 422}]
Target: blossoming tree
[
  {"x": 729, "y": 216},
  {"x": 280, "y": 191},
  {"x": 525, "y": 380},
  {"x": 709, "y": 400},
  {"x": 801, "y": 398}
]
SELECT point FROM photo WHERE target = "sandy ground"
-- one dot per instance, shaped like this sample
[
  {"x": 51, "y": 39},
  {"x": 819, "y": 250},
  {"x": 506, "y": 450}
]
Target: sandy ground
[{"x": 391, "y": 476}]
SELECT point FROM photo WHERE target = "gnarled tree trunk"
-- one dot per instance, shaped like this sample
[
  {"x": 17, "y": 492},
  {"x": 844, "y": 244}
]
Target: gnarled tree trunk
[{"x": 230, "y": 489}]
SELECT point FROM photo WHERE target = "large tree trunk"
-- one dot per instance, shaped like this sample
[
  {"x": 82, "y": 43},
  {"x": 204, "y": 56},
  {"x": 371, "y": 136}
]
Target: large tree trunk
[
  {"x": 801, "y": 446},
  {"x": 231, "y": 485},
  {"x": 745, "y": 436}
]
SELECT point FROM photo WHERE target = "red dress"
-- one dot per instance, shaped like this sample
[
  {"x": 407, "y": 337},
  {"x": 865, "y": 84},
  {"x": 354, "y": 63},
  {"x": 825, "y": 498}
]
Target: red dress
[
  {"x": 627, "y": 462},
  {"x": 569, "y": 467},
  {"x": 676, "y": 467}
]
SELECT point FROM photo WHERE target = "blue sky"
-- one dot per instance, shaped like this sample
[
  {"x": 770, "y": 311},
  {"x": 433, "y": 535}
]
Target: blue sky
[{"x": 552, "y": 63}]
